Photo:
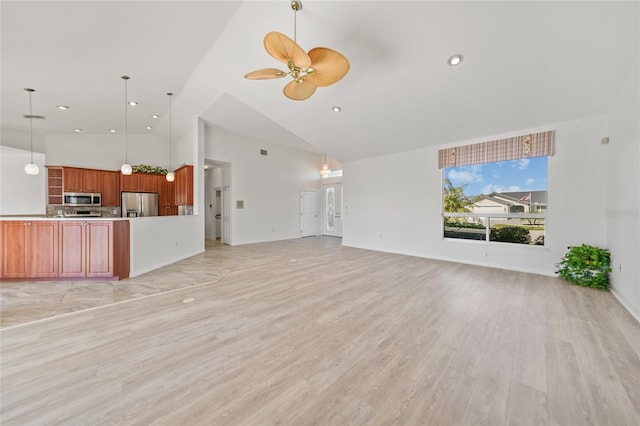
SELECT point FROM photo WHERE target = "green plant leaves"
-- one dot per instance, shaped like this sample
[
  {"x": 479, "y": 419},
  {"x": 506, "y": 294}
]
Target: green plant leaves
[
  {"x": 154, "y": 170},
  {"x": 587, "y": 266}
]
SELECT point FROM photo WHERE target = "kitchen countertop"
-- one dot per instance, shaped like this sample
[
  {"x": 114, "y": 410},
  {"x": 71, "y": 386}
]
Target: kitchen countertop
[{"x": 43, "y": 217}]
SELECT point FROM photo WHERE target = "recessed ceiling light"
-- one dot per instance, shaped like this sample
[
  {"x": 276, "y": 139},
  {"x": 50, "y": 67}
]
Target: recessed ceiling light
[
  {"x": 62, "y": 107},
  {"x": 155, "y": 116},
  {"x": 113, "y": 131},
  {"x": 133, "y": 103},
  {"x": 189, "y": 300},
  {"x": 77, "y": 130},
  {"x": 336, "y": 109},
  {"x": 455, "y": 59},
  {"x": 148, "y": 127}
]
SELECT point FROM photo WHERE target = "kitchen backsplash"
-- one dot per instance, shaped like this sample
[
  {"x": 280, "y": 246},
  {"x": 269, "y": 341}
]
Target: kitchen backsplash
[{"x": 56, "y": 210}]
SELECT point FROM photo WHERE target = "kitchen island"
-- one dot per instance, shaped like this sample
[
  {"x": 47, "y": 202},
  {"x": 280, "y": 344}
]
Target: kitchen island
[{"x": 55, "y": 249}]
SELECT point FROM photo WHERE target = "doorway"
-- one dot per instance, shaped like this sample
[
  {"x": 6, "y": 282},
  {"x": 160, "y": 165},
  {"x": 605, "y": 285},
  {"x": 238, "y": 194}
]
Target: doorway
[{"x": 332, "y": 209}]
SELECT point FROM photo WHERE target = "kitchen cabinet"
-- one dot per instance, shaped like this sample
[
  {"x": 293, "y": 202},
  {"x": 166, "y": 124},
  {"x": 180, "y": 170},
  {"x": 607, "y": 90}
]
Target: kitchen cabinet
[
  {"x": 54, "y": 185},
  {"x": 110, "y": 188},
  {"x": 29, "y": 249},
  {"x": 184, "y": 185},
  {"x": 94, "y": 249},
  {"x": 148, "y": 182},
  {"x": 82, "y": 180},
  {"x": 130, "y": 183},
  {"x": 166, "y": 197},
  {"x": 139, "y": 182}
]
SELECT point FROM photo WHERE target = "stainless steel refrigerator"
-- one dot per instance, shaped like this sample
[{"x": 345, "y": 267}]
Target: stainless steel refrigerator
[{"x": 139, "y": 204}]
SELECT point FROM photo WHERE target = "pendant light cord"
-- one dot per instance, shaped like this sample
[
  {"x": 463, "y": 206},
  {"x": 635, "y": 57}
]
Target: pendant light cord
[
  {"x": 170, "y": 95},
  {"x": 126, "y": 123},
  {"x": 31, "y": 124}
]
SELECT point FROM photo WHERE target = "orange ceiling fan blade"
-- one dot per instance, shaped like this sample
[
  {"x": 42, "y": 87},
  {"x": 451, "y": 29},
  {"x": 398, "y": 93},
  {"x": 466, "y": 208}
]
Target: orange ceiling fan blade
[
  {"x": 299, "y": 91},
  {"x": 283, "y": 49},
  {"x": 330, "y": 66},
  {"x": 265, "y": 73}
]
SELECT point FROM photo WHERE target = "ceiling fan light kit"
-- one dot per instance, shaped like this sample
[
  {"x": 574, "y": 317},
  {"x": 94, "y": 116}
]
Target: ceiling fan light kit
[{"x": 320, "y": 67}]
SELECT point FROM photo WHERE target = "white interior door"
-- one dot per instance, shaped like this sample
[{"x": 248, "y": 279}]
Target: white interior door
[
  {"x": 226, "y": 215},
  {"x": 332, "y": 209},
  {"x": 309, "y": 213}
]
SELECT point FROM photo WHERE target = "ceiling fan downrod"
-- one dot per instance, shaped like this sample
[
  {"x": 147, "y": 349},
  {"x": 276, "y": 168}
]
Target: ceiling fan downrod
[{"x": 296, "y": 6}]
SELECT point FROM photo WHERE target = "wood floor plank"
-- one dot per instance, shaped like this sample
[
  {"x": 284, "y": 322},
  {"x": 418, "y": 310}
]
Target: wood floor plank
[{"x": 305, "y": 332}]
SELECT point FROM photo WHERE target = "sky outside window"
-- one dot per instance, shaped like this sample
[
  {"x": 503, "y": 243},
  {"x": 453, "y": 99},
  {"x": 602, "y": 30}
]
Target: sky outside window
[{"x": 526, "y": 174}]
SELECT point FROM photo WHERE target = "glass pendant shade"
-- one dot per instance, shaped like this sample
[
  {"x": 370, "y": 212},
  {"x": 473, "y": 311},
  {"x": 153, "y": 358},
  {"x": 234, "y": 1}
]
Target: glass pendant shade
[
  {"x": 32, "y": 169},
  {"x": 325, "y": 170},
  {"x": 171, "y": 177},
  {"x": 126, "y": 169}
]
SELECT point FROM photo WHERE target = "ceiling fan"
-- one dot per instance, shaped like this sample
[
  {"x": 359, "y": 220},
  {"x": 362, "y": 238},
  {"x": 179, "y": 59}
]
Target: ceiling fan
[{"x": 319, "y": 68}]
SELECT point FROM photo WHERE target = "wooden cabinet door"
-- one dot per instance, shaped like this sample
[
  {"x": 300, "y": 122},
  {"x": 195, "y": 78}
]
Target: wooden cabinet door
[
  {"x": 91, "y": 180},
  {"x": 184, "y": 186},
  {"x": 148, "y": 182},
  {"x": 43, "y": 249},
  {"x": 130, "y": 183},
  {"x": 72, "y": 251},
  {"x": 73, "y": 180},
  {"x": 15, "y": 262},
  {"x": 166, "y": 197},
  {"x": 110, "y": 188},
  {"x": 99, "y": 249}
]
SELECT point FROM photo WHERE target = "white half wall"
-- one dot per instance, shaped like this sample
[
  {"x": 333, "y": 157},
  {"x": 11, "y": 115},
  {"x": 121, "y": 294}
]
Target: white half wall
[
  {"x": 20, "y": 193},
  {"x": 268, "y": 185},
  {"x": 623, "y": 189},
  {"x": 161, "y": 240},
  {"x": 394, "y": 203}
]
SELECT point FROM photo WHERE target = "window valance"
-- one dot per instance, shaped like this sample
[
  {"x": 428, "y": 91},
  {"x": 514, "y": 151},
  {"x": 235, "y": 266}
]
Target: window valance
[{"x": 531, "y": 145}]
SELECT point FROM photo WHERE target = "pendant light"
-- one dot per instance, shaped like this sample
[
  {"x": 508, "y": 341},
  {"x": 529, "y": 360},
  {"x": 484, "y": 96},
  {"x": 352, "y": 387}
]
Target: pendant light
[
  {"x": 126, "y": 167},
  {"x": 170, "y": 176},
  {"x": 325, "y": 168},
  {"x": 31, "y": 168}
]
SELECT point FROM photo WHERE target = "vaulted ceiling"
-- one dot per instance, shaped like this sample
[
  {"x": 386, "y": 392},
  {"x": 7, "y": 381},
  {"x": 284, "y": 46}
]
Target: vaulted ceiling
[{"x": 526, "y": 64}]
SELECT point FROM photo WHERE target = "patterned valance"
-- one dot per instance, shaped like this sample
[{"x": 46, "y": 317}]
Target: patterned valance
[{"x": 531, "y": 145}]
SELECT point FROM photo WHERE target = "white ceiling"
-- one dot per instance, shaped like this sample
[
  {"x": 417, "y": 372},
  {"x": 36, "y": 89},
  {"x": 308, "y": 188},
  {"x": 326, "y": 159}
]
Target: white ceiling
[{"x": 526, "y": 64}]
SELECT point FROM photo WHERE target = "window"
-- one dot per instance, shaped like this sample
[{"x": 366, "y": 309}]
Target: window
[{"x": 501, "y": 201}]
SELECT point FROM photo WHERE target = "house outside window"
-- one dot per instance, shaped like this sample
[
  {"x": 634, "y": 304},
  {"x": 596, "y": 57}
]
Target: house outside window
[{"x": 501, "y": 201}]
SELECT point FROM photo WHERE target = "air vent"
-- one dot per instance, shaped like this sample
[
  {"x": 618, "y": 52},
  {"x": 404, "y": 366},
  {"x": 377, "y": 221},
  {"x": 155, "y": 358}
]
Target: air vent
[
  {"x": 37, "y": 117},
  {"x": 263, "y": 152}
]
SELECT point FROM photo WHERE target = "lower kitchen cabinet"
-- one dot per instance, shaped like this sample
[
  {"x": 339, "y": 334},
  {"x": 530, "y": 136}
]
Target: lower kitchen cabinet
[
  {"x": 29, "y": 249},
  {"x": 63, "y": 249},
  {"x": 94, "y": 249}
]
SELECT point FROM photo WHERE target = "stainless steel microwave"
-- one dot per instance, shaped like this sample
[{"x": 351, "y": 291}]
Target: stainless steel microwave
[{"x": 82, "y": 199}]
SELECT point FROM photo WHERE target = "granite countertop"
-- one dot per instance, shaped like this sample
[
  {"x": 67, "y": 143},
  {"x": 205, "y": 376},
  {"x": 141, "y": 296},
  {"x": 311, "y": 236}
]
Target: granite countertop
[{"x": 44, "y": 217}]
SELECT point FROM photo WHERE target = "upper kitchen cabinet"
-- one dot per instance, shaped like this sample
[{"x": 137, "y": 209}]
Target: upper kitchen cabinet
[
  {"x": 130, "y": 183},
  {"x": 148, "y": 182},
  {"x": 184, "y": 186},
  {"x": 166, "y": 197},
  {"x": 110, "y": 188},
  {"x": 139, "y": 182},
  {"x": 82, "y": 180}
]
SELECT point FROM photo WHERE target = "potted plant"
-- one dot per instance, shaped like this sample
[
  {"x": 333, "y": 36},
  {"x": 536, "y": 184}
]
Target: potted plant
[{"x": 587, "y": 266}]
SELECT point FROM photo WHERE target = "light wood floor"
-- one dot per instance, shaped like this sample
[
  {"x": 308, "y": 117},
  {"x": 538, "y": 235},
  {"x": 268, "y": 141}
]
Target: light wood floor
[{"x": 306, "y": 332}]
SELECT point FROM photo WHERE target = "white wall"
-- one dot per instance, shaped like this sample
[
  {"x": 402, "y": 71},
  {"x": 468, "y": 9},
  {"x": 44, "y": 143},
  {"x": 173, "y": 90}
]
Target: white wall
[
  {"x": 161, "y": 240},
  {"x": 399, "y": 210},
  {"x": 623, "y": 189},
  {"x": 107, "y": 151},
  {"x": 269, "y": 185},
  {"x": 20, "y": 193}
]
